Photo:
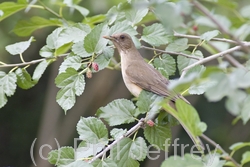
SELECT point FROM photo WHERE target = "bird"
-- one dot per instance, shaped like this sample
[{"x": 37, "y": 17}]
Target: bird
[{"x": 138, "y": 75}]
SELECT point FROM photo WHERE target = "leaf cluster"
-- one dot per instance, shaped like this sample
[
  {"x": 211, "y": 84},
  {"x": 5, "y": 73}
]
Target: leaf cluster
[{"x": 164, "y": 26}]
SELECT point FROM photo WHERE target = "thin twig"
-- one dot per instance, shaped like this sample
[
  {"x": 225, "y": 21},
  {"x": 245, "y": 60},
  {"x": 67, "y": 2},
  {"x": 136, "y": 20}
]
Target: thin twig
[
  {"x": 232, "y": 60},
  {"x": 198, "y": 37},
  {"x": 169, "y": 52},
  {"x": 31, "y": 62},
  {"x": 109, "y": 147},
  {"x": 220, "y": 148},
  {"x": 212, "y": 57},
  {"x": 205, "y": 11}
]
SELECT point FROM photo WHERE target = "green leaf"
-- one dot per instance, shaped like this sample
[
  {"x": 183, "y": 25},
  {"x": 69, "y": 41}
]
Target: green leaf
[
  {"x": 92, "y": 130},
  {"x": 70, "y": 62},
  {"x": 74, "y": 34},
  {"x": 84, "y": 27},
  {"x": 78, "y": 49},
  {"x": 78, "y": 163},
  {"x": 239, "y": 74},
  {"x": 120, "y": 153},
  {"x": 212, "y": 159},
  {"x": 71, "y": 84},
  {"x": 189, "y": 160},
  {"x": 53, "y": 41},
  {"x": 86, "y": 149},
  {"x": 40, "y": 69},
  {"x": 69, "y": 3},
  {"x": 178, "y": 45},
  {"x": 183, "y": 62},
  {"x": 185, "y": 6},
  {"x": 104, "y": 163},
  {"x": 169, "y": 15},
  {"x": 9, "y": 8},
  {"x": 244, "y": 11},
  {"x": 116, "y": 133},
  {"x": 205, "y": 21},
  {"x": 7, "y": 86},
  {"x": 166, "y": 62},
  {"x": 183, "y": 84},
  {"x": 239, "y": 145},
  {"x": 112, "y": 15},
  {"x": 247, "y": 64},
  {"x": 155, "y": 35},
  {"x": 199, "y": 69},
  {"x": 138, "y": 150},
  {"x": 61, "y": 38},
  {"x": 81, "y": 9},
  {"x": 104, "y": 59},
  {"x": 229, "y": 163},
  {"x": 63, "y": 49},
  {"x": 149, "y": 102},
  {"x": 3, "y": 98},
  {"x": 228, "y": 4},
  {"x": 166, "y": 118},
  {"x": 22, "y": 2},
  {"x": 62, "y": 156},
  {"x": 245, "y": 113},
  {"x": 200, "y": 86},
  {"x": 25, "y": 28},
  {"x": 163, "y": 72},
  {"x": 236, "y": 101},
  {"x": 122, "y": 27},
  {"x": 245, "y": 158},
  {"x": 46, "y": 51},
  {"x": 94, "y": 41},
  {"x": 24, "y": 79},
  {"x": 8, "y": 83},
  {"x": 158, "y": 136},
  {"x": 135, "y": 15},
  {"x": 117, "y": 112},
  {"x": 221, "y": 88},
  {"x": 189, "y": 118},
  {"x": 94, "y": 19},
  {"x": 207, "y": 36},
  {"x": 18, "y": 48}
]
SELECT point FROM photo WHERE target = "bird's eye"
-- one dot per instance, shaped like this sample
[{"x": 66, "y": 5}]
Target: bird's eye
[{"x": 122, "y": 37}]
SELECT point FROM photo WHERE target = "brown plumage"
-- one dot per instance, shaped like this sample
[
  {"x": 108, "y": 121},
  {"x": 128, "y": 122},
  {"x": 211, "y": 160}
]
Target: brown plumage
[{"x": 138, "y": 74}]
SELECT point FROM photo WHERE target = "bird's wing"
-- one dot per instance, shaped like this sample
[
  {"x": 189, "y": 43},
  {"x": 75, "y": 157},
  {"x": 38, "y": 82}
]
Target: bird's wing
[{"x": 149, "y": 79}]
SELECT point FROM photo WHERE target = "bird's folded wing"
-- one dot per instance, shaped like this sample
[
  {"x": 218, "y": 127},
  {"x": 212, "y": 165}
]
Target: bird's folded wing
[{"x": 149, "y": 79}]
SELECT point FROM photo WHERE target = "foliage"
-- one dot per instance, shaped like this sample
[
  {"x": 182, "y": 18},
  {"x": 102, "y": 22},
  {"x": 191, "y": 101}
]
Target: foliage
[{"x": 183, "y": 28}]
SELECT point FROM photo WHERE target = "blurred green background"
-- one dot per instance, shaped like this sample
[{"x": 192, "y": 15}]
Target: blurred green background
[{"x": 33, "y": 116}]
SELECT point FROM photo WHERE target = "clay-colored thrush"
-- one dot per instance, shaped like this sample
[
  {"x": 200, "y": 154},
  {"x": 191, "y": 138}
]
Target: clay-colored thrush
[{"x": 137, "y": 74}]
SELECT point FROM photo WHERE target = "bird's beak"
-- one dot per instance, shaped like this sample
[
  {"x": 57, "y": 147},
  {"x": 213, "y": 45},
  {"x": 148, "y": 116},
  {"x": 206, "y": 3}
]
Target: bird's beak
[{"x": 109, "y": 38}]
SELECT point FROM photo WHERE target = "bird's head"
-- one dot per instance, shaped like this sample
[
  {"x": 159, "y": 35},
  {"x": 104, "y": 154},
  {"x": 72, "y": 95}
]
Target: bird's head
[{"x": 122, "y": 41}]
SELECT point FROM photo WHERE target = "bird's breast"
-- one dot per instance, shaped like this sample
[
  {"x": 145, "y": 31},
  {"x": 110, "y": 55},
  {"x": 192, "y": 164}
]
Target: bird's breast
[{"x": 125, "y": 62}]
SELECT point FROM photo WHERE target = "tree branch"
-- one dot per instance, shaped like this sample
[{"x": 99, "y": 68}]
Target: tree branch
[
  {"x": 31, "y": 62},
  {"x": 230, "y": 58},
  {"x": 227, "y": 56},
  {"x": 223, "y": 53},
  {"x": 173, "y": 53},
  {"x": 213, "y": 39},
  {"x": 109, "y": 147},
  {"x": 205, "y": 11},
  {"x": 220, "y": 148}
]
